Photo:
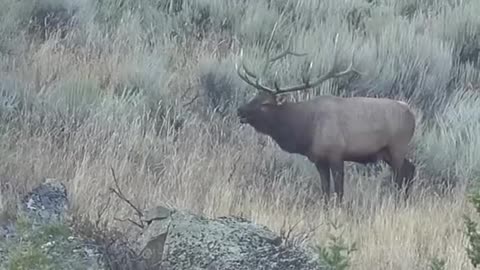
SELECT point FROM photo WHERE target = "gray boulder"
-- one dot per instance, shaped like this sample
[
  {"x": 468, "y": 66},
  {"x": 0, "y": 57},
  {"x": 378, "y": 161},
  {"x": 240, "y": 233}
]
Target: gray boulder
[
  {"x": 181, "y": 240},
  {"x": 173, "y": 239}
]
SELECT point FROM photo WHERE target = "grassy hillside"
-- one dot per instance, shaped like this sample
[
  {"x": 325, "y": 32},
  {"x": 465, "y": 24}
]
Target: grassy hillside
[{"x": 149, "y": 88}]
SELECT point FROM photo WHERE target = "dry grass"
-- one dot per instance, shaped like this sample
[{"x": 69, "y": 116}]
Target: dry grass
[
  {"x": 194, "y": 174},
  {"x": 208, "y": 170},
  {"x": 70, "y": 127}
]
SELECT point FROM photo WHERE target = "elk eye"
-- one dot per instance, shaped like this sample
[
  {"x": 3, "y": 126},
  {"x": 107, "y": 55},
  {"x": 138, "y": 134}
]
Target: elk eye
[
  {"x": 266, "y": 102},
  {"x": 264, "y": 107}
]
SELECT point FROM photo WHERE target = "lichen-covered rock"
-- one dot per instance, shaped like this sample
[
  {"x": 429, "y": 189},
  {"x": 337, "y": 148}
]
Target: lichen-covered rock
[
  {"x": 181, "y": 240},
  {"x": 171, "y": 239},
  {"x": 47, "y": 202},
  {"x": 42, "y": 229}
]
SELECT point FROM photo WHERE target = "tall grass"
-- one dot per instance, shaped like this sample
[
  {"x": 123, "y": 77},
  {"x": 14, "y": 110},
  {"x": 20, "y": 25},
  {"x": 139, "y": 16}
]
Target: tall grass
[{"x": 150, "y": 90}]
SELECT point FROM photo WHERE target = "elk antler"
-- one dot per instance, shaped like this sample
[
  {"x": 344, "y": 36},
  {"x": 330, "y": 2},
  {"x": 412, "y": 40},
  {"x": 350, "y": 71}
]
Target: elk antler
[
  {"x": 247, "y": 73},
  {"x": 306, "y": 81}
]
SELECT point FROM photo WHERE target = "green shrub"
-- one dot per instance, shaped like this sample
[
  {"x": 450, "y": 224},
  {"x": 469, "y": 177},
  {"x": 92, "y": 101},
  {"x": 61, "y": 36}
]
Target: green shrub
[
  {"x": 49, "y": 246},
  {"x": 437, "y": 264},
  {"x": 448, "y": 149},
  {"x": 219, "y": 85},
  {"x": 37, "y": 19},
  {"x": 336, "y": 255},
  {"x": 473, "y": 249}
]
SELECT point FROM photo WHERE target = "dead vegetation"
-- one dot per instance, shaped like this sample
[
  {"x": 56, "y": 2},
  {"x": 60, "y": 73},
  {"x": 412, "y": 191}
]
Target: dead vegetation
[{"x": 113, "y": 94}]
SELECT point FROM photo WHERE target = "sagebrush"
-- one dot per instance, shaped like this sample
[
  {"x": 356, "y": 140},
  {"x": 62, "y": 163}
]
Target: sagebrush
[{"x": 149, "y": 88}]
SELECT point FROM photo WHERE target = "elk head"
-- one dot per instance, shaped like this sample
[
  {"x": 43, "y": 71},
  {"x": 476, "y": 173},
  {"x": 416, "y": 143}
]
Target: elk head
[{"x": 254, "y": 111}]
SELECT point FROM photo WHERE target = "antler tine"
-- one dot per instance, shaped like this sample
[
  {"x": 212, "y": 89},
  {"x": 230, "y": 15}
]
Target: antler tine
[
  {"x": 285, "y": 53},
  {"x": 349, "y": 69},
  {"x": 255, "y": 84},
  {"x": 335, "y": 53},
  {"x": 305, "y": 80},
  {"x": 288, "y": 51},
  {"x": 247, "y": 73},
  {"x": 352, "y": 65},
  {"x": 330, "y": 74}
]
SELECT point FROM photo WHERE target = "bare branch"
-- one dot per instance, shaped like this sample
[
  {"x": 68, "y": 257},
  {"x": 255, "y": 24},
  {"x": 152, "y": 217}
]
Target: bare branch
[
  {"x": 192, "y": 100},
  {"x": 102, "y": 211},
  {"x": 122, "y": 196},
  {"x": 129, "y": 220},
  {"x": 232, "y": 172},
  {"x": 289, "y": 232}
]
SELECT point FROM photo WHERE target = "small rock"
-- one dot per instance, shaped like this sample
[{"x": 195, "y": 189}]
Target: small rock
[
  {"x": 156, "y": 213},
  {"x": 47, "y": 245},
  {"x": 46, "y": 203}
]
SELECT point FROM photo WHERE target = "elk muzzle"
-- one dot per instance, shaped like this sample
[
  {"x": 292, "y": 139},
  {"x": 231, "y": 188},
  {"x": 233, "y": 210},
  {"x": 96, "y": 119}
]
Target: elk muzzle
[{"x": 242, "y": 115}]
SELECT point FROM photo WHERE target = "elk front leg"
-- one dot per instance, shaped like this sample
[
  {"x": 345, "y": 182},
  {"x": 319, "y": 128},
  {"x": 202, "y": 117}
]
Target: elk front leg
[
  {"x": 324, "y": 172},
  {"x": 338, "y": 178}
]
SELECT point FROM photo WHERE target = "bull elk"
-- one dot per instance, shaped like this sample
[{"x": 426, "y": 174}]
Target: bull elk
[{"x": 330, "y": 130}]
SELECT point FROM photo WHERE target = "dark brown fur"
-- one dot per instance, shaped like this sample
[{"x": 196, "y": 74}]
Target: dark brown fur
[{"x": 329, "y": 130}]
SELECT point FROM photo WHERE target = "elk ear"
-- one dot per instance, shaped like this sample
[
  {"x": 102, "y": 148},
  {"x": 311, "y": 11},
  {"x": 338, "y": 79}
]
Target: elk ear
[{"x": 280, "y": 100}]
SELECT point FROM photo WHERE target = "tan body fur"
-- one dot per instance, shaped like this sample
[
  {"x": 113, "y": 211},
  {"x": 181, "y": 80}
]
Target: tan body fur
[{"x": 329, "y": 130}]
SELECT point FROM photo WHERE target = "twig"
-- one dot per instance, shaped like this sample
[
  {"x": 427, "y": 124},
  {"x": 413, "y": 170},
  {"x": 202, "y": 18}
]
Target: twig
[
  {"x": 189, "y": 88},
  {"x": 120, "y": 194},
  {"x": 191, "y": 101},
  {"x": 290, "y": 230},
  {"x": 129, "y": 220},
  {"x": 102, "y": 211},
  {"x": 232, "y": 172},
  {"x": 293, "y": 239}
]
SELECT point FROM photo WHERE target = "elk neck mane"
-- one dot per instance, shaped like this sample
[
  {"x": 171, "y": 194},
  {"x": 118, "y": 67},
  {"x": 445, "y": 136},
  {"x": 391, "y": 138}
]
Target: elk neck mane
[{"x": 286, "y": 125}]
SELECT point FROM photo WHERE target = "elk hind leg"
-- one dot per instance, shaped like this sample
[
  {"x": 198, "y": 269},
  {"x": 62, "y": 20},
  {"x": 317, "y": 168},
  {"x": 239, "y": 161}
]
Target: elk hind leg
[
  {"x": 324, "y": 172},
  {"x": 408, "y": 172},
  {"x": 337, "y": 168},
  {"x": 399, "y": 167}
]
